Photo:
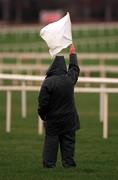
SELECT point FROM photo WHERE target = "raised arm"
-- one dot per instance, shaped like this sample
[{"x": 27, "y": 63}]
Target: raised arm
[{"x": 73, "y": 69}]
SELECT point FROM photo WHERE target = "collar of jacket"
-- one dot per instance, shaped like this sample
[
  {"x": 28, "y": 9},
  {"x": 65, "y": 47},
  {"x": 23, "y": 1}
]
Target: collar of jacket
[{"x": 58, "y": 67}]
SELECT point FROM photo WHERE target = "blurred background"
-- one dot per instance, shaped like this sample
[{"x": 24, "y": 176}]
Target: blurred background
[
  {"x": 29, "y": 11},
  {"x": 95, "y": 27},
  {"x": 23, "y": 52}
]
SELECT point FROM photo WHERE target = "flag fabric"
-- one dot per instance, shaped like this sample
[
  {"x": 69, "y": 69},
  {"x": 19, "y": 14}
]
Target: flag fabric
[{"x": 58, "y": 35}]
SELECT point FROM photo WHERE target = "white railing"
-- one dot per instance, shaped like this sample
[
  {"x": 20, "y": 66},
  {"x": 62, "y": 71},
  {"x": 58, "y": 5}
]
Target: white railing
[
  {"x": 23, "y": 88},
  {"x": 36, "y": 28},
  {"x": 22, "y": 63}
]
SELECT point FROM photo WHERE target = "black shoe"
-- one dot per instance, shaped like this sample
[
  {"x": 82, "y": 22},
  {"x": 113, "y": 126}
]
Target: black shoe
[
  {"x": 69, "y": 165},
  {"x": 49, "y": 166}
]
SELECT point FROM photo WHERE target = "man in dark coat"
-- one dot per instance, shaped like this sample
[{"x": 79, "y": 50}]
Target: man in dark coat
[{"x": 56, "y": 107}]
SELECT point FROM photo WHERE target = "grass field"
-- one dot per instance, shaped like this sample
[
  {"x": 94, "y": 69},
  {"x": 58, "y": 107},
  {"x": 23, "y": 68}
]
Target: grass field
[{"x": 21, "y": 150}]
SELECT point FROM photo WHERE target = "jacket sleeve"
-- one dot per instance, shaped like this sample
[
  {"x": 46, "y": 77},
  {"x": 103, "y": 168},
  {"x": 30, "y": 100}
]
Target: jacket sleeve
[
  {"x": 43, "y": 101},
  {"x": 73, "y": 70}
]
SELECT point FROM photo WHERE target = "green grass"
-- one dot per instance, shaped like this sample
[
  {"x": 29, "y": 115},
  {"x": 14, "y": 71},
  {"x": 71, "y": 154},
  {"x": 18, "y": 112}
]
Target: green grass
[{"x": 21, "y": 150}]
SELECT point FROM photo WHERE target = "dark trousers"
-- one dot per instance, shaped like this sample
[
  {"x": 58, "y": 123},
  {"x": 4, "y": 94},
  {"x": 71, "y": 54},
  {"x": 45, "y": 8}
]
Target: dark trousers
[{"x": 66, "y": 141}]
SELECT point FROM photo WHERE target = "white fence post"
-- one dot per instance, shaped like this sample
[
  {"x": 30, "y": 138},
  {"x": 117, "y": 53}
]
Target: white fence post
[
  {"x": 23, "y": 101},
  {"x": 8, "y": 112},
  {"x": 105, "y": 119},
  {"x": 40, "y": 126},
  {"x": 101, "y": 103},
  {"x": 104, "y": 89},
  {"x": 101, "y": 107}
]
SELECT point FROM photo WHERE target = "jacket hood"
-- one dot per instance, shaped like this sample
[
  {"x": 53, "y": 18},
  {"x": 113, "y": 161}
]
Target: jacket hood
[{"x": 58, "y": 67}]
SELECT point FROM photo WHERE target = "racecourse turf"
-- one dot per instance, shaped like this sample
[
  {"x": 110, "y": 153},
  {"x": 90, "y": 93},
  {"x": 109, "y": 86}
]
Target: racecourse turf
[{"x": 21, "y": 150}]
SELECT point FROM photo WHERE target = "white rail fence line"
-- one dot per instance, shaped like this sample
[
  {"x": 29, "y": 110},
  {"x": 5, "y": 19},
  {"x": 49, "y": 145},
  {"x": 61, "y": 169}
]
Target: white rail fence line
[
  {"x": 23, "y": 63},
  {"x": 46, "y": 55},
  {"x": 102, "y": 90},
  {"x": 36, "y": 28}
]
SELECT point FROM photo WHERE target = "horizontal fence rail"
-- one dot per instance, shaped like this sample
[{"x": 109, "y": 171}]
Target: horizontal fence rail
[
  {"x": 19, "y": 62},
  {"x": 46, "y": 55},
  {"x": 36, "y": 28},
  {"x": 101, "y": 88}
]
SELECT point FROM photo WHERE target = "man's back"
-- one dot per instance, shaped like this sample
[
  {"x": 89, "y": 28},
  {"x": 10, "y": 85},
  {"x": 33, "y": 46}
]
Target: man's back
[
  {"x": 56, "y": 98},
  {"x": 61, "y": 100}
]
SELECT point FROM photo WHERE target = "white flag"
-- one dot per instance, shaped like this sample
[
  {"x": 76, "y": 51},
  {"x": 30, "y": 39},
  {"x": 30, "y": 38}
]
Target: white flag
[{"x": 58, "y": 35}]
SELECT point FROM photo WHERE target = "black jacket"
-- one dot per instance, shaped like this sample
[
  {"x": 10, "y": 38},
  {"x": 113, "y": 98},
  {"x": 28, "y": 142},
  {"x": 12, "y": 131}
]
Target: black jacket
[{"x": 56, "y": 104}]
